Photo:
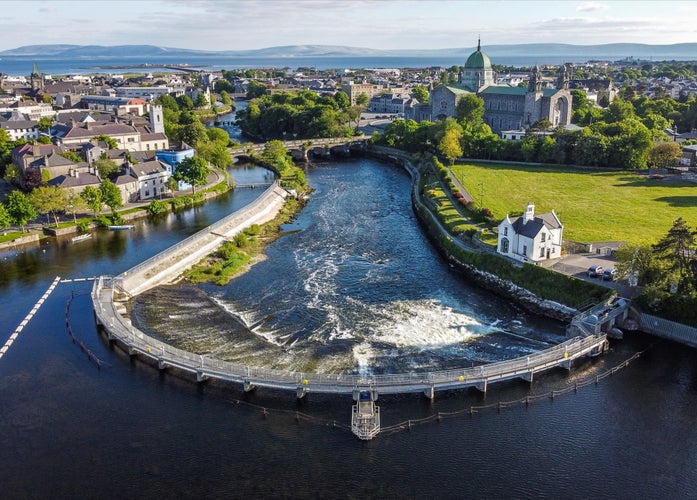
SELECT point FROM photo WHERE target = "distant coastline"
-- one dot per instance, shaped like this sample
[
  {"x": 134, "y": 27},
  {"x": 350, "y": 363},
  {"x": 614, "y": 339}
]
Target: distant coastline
[{"x": 57, "y": 60}]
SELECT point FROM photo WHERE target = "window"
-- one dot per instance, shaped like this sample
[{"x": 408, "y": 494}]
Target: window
[
  {"x": 505, "y": 231},
  {"x": 542, "y": 251},
  {"x": 525, "y": 249},
  {"x": 504, "y": 245},
  {"x": 543, "y": 237}
]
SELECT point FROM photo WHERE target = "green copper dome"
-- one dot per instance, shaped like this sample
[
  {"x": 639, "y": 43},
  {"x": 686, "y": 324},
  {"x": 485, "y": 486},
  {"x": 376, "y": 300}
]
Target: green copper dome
[{"x": 478, "y": 60}]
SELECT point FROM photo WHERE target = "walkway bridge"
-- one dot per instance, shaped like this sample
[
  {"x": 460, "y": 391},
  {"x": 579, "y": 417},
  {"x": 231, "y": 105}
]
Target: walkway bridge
[
  {"x": 110, "y": 295},
  {"x": 302, "y": 149},
  {"x": 113, "y": 318}
]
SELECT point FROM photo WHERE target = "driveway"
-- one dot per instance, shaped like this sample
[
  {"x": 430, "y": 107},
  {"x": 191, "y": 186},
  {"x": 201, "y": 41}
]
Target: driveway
[{"x": 577, "y": 265}]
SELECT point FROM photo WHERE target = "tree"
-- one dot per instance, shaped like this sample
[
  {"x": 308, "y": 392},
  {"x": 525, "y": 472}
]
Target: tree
[
  {"x": 192, "y": 170},
  {"x": 45, "y": 124},
  {"x": 676, "y": 250},
  {"x": 48, "y": 200},
  {"x": 20, "y": 208},
  {"x": 201, "y": 101},
  {"x": 421, "y": 94},
  {"x": 256, "y": 89},
  {"x": 5, "y": 219},
  {"x": 449, "y": 146},
  {"x": 225, "y": 98},
  {"x": 665, "y": 154},
  {"x": 74, "y": 203},
  {"x": 109, "y": 141},
  {"x": 185, "y": 102},
  {"x": 72, "y": 156},
  {"x": 93, "y": 198},
  {"x": 470, "y": 109},
  {"x": 276, "y": 154},
  {"x": 362, "y": 99},
  {"x": 342, "y": 99},
  {"x": 192, "y": 133},
  {"x": 111, "y": 195},
  {"x": 106, "y": 168}
]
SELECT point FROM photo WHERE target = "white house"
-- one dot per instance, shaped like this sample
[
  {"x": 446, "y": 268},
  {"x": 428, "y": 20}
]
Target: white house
[{"x": 531, "y": 237}]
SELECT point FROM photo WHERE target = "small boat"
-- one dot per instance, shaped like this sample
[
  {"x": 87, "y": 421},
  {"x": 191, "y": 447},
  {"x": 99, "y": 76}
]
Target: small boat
[
  {"x": 81, "y": 237},
  {"x": 121, "y": 228}
]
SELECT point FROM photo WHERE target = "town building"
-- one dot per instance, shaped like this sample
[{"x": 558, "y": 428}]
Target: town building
[
  {"x": 530, "y": 237},
  {"x": 18, "y": 126}
]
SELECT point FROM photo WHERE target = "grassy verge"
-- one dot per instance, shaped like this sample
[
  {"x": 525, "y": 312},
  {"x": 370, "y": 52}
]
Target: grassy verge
[
  {"x": 237, "y": 256},
  {"x": 593, "y": 205}
]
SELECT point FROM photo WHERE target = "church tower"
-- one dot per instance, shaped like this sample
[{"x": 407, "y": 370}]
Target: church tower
[
  {"x": 535, "y": 80},
  {"x": 157, "y": 123},
  {"x": 36, "y": 79},
  {"x": 563, "y": 77}
]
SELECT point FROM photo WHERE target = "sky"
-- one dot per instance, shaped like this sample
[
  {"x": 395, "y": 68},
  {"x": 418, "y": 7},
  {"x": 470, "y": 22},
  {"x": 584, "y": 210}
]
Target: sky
[{"x": 378, "y": 24}]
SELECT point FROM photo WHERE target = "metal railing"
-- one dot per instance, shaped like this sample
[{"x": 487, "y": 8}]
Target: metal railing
[{"x": 137, "y": 341}]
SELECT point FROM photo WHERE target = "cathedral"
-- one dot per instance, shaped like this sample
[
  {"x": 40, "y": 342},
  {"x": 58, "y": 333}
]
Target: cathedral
[{"x": 505, "y": 107}]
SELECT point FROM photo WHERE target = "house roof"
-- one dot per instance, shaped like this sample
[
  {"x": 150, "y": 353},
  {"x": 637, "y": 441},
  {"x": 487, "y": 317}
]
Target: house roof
[
  {"x": 532, "y": 228},
  {"x": 148, "y": 168},
  {"x": 70, "y": 181}
]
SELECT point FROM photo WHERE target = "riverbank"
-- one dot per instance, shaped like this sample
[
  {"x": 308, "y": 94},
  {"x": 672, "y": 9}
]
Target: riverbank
[
  {"x": 236, "y": 257},
  {"x": 558, "y": 295}
]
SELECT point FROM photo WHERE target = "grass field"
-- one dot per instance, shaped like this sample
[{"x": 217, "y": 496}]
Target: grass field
[{"x": 593, "y": 205}]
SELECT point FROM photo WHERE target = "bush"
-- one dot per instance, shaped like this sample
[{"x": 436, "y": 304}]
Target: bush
[
  {"x": 487, "y": 213},
  {"x": 253, "y": 230},
  {"x": 156, "y": 207},
  {"x": 83, "y": 224},
  {"x": 241, "y": 240}
]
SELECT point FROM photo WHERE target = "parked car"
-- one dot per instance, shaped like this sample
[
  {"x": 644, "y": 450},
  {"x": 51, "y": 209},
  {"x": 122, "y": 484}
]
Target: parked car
[
  {"x": 595, "y": 271},
  {"x": 609, "y": 275}
]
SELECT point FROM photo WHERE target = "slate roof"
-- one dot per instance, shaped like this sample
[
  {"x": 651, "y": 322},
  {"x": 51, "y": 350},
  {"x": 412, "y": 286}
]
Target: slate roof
[
  {"x": 69, "y": 181},
  {"x": 533, "y": 227},
  {"x": 148, "y": 168}
]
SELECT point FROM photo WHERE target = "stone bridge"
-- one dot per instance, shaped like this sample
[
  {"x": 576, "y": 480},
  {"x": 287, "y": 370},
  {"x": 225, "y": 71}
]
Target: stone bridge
[{"x": 303, "y": 150}]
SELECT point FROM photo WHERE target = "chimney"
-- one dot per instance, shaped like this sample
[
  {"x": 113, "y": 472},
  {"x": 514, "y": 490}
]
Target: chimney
[{"x": 529, "y": 213}]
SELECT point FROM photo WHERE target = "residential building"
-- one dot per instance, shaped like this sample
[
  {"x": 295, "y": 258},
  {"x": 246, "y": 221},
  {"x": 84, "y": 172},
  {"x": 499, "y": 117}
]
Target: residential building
[
  {"x": 530, "y": 237},
  {"x": 18, "y": 126}
]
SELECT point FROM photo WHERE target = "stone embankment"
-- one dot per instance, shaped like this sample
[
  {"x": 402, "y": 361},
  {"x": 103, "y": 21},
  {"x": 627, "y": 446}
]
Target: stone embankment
[{"x": 521, "y": 296}]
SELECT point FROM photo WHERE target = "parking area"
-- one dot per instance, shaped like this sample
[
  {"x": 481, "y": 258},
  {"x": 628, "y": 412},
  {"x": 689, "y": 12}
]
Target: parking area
[{"x": 577, "y": 265}]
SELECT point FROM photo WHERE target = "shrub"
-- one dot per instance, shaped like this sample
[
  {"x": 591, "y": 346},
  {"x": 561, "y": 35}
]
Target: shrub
[
  {"x": 241, "y": 240},
  {"x": 253, "y": 230},
  {"x": 156, "y": 207},
  {"x": 487, "y": 213},
  {"x": 83, "y": 224}
]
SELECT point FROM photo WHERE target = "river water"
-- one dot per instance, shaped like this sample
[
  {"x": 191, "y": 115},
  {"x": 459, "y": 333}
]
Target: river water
[{"x": 70, "y": 430}]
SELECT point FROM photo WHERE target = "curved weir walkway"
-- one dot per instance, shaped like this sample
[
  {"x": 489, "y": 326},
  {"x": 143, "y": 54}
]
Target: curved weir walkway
[{"x": 110, "y": 293}]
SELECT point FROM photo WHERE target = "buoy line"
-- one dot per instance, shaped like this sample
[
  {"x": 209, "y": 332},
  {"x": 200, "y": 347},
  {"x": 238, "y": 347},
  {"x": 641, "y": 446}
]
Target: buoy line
[{"x": 28, "y": 317}]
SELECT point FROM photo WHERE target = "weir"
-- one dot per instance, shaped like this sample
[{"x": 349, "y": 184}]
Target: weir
[{"x": 109, "y": 294}]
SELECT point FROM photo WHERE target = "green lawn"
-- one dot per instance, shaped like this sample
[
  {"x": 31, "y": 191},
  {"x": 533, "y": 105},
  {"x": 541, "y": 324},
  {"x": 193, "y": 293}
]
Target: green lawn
[{"x": 593, "y": 206}]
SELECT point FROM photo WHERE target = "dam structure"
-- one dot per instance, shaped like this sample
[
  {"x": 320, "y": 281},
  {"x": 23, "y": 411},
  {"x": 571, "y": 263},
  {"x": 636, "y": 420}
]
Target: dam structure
[{"x": 110, "y": 294}]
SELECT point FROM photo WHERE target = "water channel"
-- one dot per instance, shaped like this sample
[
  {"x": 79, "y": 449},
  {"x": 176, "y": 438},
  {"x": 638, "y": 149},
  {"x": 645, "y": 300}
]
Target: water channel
[{"x": 372, "y": 292}]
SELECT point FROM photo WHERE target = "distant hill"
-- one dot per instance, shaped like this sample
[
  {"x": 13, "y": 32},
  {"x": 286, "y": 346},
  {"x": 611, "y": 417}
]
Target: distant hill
[{"x": 680, "y": 51}]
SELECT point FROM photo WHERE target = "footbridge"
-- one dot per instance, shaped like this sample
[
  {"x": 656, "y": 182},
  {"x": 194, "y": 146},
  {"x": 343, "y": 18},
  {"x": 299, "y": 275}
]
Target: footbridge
[
  {"x": 110, "y": 295},
  {"x": 302, "y": 149}
]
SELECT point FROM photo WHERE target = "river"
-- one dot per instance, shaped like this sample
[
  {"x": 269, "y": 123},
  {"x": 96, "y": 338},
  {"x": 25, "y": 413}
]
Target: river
[{"x": 70, "y": 430}]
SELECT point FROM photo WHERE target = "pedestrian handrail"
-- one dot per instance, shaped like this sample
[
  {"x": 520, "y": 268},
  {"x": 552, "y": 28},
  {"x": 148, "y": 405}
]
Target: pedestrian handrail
[{"x": 137, "y": 341}]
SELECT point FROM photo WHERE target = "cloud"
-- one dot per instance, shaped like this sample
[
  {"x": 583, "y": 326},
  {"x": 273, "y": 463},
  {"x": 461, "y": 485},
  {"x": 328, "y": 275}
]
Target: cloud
[{"x": 591, "y": 7}]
